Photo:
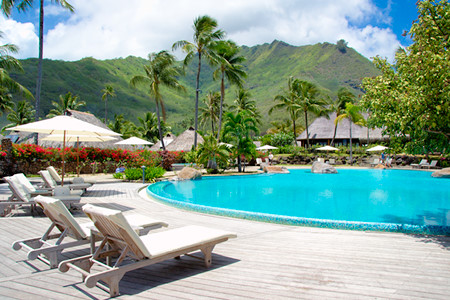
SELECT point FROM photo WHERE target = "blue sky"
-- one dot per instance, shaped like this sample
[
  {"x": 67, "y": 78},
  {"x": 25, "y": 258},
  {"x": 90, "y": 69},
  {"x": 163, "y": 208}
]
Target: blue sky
[{"x": 372, "y": 27}]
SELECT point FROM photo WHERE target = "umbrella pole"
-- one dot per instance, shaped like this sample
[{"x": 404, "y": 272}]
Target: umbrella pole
[
  {"x": 63, "y": 158},
  {"x": 78, "y": 156}
]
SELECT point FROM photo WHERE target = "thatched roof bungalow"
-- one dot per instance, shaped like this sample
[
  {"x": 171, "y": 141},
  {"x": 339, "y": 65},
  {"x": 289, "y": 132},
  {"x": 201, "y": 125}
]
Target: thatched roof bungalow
[
  {"x": 321, "y": 132},
  {"x": 168, "y": 138},
  {"x": 28, "y": 138},
  {"x": 185, "y": 141}
]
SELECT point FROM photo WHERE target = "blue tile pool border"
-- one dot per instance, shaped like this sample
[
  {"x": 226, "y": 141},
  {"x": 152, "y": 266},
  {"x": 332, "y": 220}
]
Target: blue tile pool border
[{"x": 309, "y": 222}]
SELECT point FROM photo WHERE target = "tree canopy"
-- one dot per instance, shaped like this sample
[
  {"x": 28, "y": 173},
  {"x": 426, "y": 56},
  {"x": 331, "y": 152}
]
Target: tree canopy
[{"x": 410, "y": 100}]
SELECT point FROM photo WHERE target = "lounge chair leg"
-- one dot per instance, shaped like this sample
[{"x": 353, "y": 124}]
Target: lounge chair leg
[{"x": 207, "y": 252}]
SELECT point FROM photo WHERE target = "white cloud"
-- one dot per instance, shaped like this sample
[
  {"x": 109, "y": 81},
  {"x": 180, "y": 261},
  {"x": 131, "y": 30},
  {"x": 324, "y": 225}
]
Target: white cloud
[
  {"x": 137, "y": 27},
  {"x": 20, "y": 34}
]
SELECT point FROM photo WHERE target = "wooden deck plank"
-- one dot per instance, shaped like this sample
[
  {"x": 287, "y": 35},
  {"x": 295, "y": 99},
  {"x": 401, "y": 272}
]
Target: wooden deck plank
[{"x": 266, "y": 261}]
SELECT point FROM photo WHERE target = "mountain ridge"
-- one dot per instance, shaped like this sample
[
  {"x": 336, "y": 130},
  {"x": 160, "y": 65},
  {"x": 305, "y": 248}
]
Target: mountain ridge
[{"x": 268, "y": 65}]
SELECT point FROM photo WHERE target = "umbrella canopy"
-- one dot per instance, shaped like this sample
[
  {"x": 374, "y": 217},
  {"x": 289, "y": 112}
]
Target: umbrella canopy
[
  {"x": 327, "y": 148},
  {"x": 64, "y": 125},
  {"x": 70, "y": 138},
  {"x": 228, "y": 145},
  {"x": 134, "y": 141},
  {"x": 378, "y": 148},
  {"x": 266, "y": 147}
]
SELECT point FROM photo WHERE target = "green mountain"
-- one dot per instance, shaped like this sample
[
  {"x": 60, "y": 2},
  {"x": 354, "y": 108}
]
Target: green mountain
[{"x": 268, "y": 66}]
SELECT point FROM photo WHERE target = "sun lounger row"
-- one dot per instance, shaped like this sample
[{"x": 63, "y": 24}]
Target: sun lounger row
[{"x": 124, "y": 243}]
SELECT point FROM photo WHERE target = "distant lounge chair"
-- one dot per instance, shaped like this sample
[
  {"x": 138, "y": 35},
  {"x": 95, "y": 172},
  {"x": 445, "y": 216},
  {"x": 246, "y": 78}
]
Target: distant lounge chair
[
  {"x": 331, "y": 161},
  {"x": 48, "y": 247},
  {"x": 30, "y": 188},
  {"x": 146, "y": 250},
  {"x": 52, "y": 171},
  {"x": 431, "y": 165},
  {"x": 423, "y": 162},
  {"x": 20, "y": 192},
  {"x": 51, "y": 183},
  {"x": 375, "y": 162},
  {"x": 320, "y": 159}
]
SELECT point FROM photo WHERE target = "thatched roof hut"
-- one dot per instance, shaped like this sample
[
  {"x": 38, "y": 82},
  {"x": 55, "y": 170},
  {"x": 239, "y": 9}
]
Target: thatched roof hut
[
  {"x": 185, "y": 141},
  {"x": 321, "y": 132},
  {"x": 28, "y": 138},
  {"x": 168, "y": 138}
]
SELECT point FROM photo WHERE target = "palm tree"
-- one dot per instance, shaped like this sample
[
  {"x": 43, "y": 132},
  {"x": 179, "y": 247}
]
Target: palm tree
[
  {"x": 23, "y": 5},
  {"x": 7, "y": 84},
  {"x": 125, "y": 127},
  {"x": 242, "y": 102},
  {"x": 237, "y": 128},
  {"x": 159, "y": 71},
  {"x": 289, "y": 101},
  {"x": 23, "y": 114},
  {"x": 344, "y": 96},
  {"x": 210, "y": 152},
  {"x": 211, "y": 110},
  {"x": 107, "y": 91},
  {"x": 206, "y": 35},
  {"x": 65, "y": 102},
  {"x": 352, "y": 113},
  {"x": 309, "y": 102},
  {"x": 230, "y": 68},
  {"x": 149, "y": 127}
]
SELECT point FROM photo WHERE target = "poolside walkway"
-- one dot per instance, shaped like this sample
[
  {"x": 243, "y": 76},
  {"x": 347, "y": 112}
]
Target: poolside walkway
[{"x": 266, "y": 261}]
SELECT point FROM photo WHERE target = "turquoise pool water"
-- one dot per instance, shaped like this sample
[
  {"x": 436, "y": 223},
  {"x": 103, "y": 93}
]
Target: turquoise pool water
[{"x": 392, "y": 200}]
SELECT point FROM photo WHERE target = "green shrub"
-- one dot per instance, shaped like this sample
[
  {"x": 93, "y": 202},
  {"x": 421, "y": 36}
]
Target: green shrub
[
  {"x": 150, "y": 173},
  {"x": 118, "y": 175}
]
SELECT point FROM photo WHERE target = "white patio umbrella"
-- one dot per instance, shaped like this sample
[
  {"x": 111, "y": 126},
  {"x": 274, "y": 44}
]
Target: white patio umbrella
[
  {"x": 266, "y": 147},
  {"x": 328, "y": 148},
  {"x": 134, "y": 141},
  {"x": 378, "y": 148},
  {"x": 64, "y": 125},
  {"x": 77, "y": 139},
  {"x": 227, "y": 145}
]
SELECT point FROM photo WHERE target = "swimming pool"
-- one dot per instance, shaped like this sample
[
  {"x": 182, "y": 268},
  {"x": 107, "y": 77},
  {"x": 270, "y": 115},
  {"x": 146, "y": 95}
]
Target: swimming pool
[{"x": 364, "y": 199}]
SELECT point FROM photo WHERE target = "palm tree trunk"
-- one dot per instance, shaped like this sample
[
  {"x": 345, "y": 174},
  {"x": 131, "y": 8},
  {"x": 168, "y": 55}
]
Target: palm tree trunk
[
  {"x": 41, "y": 55},
  {"x": 307, "y": 132},
  {"x": 334, "y": 135},
  {"x": 197, "y": 90},
  {"x": 351, "y": 153},
  {"x": 159, "y": 126},
  {"x": 295, "y": 135},
  {"x": 239, "y": 163},
  {"x": 222, "y": 96},
  {"x": 106, "y": 100}
]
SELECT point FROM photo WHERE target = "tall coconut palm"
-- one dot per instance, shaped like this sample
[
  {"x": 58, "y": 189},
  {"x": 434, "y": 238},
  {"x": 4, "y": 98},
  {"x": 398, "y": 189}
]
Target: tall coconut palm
[
  {"x": 23, "y": 5},
  {"x": 230, "y": 68},
  {"x": 353, "y": 115},
  {"x": 310, "y": 101},
  {"x": 211, "y": 110},
  {"x": 206, "y": 35},
  {"x": 344, "y": 96},
  {"x": 108, "y": 91},
  {"x": 242, "y": 102},
  {"x": 289, "y": 101},
  {"x": 160, "y": 71},
  {"x": 68, "y": 101}
]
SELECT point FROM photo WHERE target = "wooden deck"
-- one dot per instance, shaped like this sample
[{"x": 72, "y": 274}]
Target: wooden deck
[{"x": 266, "y": 261}]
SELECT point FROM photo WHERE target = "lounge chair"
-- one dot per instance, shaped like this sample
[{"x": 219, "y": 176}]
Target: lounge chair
[
  {"x": 431, "y": 165},
  {"x": 146, "y": 250},
  {"x": 331, "y": 161},
  {"x": 321, "y": 159},
  {"x": 423, "y": 162},
  {"x": 375, "y": 162},
  {"x": 52, "y": 171},
  {"x": 30, "y": 188},
  {"x": 51, "y": 183},
  {"x": 49, "y": 246},
  {"x": 21, "y": 193}
]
